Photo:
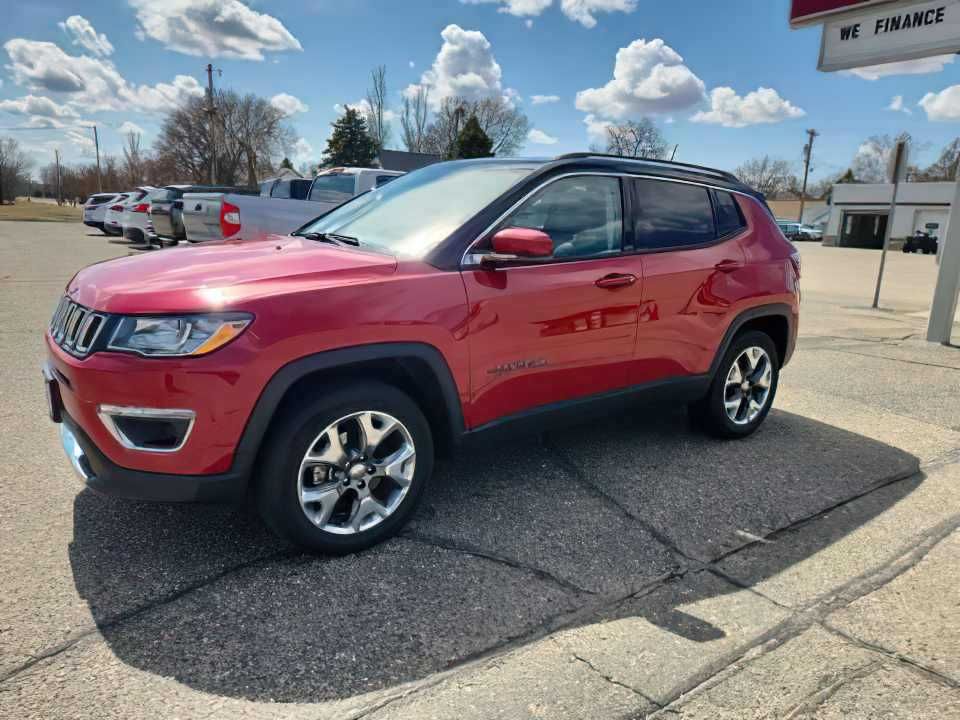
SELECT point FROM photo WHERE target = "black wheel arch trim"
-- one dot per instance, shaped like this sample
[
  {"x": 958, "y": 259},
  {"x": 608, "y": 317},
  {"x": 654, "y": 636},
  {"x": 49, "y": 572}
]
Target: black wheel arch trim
[
  {"x": 273, "y": 393},
  {"x": 772, "y": 310}
]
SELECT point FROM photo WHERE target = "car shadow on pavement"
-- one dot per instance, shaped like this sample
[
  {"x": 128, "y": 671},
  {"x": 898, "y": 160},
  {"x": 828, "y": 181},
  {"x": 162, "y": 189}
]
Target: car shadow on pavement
[{"x": 581, "y": 526}]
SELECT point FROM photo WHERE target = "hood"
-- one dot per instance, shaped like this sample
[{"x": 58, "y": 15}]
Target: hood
[{"x": 222, "y": 276}]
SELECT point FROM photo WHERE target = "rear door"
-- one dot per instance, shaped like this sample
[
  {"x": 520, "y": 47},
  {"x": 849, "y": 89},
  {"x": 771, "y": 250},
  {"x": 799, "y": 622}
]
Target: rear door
[
  {"x": 693, "y": 268},
  {"x": 559, "y": 329}
]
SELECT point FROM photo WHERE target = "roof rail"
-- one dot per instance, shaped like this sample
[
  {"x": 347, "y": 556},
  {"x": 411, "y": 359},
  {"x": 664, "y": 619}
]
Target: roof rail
[{"x": 670, "y": 163}]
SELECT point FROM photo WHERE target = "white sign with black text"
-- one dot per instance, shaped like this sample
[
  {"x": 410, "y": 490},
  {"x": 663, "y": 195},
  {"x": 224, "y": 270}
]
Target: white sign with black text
[{"x": 898, "y": 31}]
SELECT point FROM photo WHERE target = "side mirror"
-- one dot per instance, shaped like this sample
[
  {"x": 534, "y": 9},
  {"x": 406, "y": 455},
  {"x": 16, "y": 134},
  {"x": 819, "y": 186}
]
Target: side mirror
[{"x": 513, "y": 243}]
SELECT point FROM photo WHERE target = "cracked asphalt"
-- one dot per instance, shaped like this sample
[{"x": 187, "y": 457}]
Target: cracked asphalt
[{"x": 629, "y": 568}]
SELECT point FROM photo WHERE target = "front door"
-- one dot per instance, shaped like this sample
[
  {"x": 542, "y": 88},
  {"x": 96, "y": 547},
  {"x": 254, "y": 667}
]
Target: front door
[{"x": 563, "y": 328}]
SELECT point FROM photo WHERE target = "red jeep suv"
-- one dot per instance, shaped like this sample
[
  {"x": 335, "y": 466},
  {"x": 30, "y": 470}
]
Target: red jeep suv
[{"x": 317, "y": 373}]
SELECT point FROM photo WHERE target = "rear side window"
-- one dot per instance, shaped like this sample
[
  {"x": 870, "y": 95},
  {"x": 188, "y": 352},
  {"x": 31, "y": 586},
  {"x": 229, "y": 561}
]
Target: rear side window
[
  {"x": 729, "y": 219},
  {"x": 670, "y": 214},
  {"x": 100, "y": 199},
  {"x": 281, "y": 190},
  {"x": 384, "y": 179},
  {"x": 335, "y": 188}
]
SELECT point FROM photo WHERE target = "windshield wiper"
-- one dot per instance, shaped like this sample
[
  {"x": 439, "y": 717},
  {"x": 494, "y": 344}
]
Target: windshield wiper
[{"x": 332, "y": 238}]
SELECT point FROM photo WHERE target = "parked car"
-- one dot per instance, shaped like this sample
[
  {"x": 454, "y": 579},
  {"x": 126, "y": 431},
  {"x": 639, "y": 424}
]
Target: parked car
[
  {"x": 95, "y": 208},
  {"x": 113, "y": 215},
  {"x": 921, "y": 242},
  {"x": 798, "y": 231},
  {"x": 317, "y": 373},
  {"x": 215, "y": 216},
  {"x": 137, "y": 226},
  {"x": 166, "y": 208}
]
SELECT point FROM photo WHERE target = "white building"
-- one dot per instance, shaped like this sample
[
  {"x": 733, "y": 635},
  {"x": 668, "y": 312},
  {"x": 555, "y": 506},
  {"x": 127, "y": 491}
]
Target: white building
[{"x": 859, "y": 213}]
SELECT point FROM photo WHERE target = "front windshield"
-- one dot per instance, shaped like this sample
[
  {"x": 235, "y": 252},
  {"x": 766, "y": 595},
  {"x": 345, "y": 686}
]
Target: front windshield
[{"x": 412, "y": 214}]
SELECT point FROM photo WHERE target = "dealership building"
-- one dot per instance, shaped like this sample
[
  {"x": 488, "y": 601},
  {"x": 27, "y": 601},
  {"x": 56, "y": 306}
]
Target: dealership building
[{"x": 859, "y": 213}]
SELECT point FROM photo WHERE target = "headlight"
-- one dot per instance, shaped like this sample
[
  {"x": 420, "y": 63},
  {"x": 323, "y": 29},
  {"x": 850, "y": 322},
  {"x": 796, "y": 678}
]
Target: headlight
[{"x": 178, "y": 335}]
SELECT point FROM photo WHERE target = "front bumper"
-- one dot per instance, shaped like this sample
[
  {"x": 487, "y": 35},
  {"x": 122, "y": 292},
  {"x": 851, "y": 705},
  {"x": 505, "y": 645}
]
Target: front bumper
[{"x": 108, "y": 478}]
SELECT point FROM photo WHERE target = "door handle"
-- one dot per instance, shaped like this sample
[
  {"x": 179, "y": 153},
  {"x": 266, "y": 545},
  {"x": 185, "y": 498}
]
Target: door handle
[
  {"x": 728, "y": 265},
  {"x": 615, "y": 280}
]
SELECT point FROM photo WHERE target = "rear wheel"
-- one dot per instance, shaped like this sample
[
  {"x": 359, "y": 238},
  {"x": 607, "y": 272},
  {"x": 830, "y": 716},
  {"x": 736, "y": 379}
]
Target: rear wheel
[
  {"x": 344, "y": 469},
  {"x": 743, "y": 388}
]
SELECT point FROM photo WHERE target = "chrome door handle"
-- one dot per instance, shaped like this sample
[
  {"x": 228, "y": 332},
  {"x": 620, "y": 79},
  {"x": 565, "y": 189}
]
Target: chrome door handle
[{"x": 615, "y": 280}]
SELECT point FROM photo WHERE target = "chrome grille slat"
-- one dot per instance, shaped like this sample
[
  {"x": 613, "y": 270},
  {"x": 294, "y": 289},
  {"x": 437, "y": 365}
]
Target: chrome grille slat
[{"x": 75, "y": 328}]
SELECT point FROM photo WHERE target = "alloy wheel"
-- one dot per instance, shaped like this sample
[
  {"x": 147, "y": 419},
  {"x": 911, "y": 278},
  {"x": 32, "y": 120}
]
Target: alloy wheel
[
  {"x": 356, "y": 472},
  {"x": 747, "y": 388}
]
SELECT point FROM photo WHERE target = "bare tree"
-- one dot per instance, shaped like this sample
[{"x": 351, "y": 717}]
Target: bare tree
[
  {"x": 944, "y": 167},
  {"x": 636, "y": 139},
  {"x": 14, "y": 169},
  {"x": 870, "y": 163},
  {"x": 766, "y": 174},
  {"x": 504, "y": 124},
  {"x": 416, "y": 113},
  {"x": 377, "y": 107},
  {"x": 133, "y": 164},
  {"x": 251, "y": 135}
]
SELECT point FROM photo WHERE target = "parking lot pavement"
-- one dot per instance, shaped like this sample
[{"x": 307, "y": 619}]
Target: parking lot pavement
[{"x": 627, "y": 568}]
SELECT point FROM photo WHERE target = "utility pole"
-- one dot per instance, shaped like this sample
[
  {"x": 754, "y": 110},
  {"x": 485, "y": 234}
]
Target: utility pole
[
  {"x": 211, "y": 112},
  {"x": 96, "y": 143},
  {"x": 674, "y": 153},
  {"x": 807, "y": 152},
  {"x": 56, "y": 157},
  {"x": 898, "y": 168}
]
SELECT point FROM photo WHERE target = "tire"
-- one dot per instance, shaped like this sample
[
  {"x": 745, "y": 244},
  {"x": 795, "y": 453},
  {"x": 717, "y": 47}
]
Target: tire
[
  {"x": 302, "y": 428},
  {"x": 711, "y": 412}
]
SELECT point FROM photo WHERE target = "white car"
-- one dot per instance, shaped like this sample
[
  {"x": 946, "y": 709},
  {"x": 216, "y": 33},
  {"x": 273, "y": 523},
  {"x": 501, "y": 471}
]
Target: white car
[
  {"x": 95, "y": 208},
  {"x": 137, "y": 226},
  {"x": 113, "y": 215}
]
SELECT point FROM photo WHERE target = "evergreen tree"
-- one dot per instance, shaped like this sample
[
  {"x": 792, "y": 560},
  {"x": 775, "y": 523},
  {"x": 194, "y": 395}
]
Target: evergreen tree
[
  {"x": 350, "y": 144},
  {"x": 285, "y": 164},
  {"x": 473, "y": 142}
]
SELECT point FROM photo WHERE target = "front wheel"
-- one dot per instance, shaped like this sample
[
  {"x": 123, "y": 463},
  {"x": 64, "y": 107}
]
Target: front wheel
[
  {"x": 742, "y": 390},
  {"x": 344, "y": 469}
]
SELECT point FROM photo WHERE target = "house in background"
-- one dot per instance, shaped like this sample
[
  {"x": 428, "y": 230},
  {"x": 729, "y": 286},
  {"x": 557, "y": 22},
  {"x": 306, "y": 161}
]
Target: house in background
[
  {"x": 859, "y": 213},
  {"x": 815, "y": 212}
]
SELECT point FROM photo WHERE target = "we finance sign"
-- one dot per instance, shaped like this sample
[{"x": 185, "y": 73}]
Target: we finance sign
[{"x": 890, "y": 32}]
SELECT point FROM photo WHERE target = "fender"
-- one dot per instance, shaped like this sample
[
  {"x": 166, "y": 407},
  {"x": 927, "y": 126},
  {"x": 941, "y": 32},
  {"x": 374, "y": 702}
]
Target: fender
[
  {"x": 772, "y": 310},
  {"x": 269, "y": 400}
]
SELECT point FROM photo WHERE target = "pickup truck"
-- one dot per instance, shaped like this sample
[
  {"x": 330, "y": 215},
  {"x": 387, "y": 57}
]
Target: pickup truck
[
  {"x": 166, "y": 208},
  {"x": 217, "y": 216}
]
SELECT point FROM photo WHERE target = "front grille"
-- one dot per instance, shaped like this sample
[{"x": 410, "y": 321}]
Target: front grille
[{"x": 75, "y": 328}]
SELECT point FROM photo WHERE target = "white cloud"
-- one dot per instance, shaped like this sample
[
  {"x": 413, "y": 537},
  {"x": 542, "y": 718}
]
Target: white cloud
[
  {"x": 37, "y": 105},
  {"x": 763, "y": 105},
  {"x": 517, "y": 8},
  {"x": 288, "y": 104},
  {"x": 544, "y": 99},
  {"x": 302, "y": 150},
  {"x": 923, "y": 66},
  {"x": 88, "y": 83},
  {"x": 539, "y": 137},
  {"x": 942, "y": 106},
  {"x": 597, "y": 128},
  {"x": 81, "y": 140},
  {"x": 581, "y": 11},
  {"x": 465, "y": 67},
  {"x": 896, "y": 105},
  {"x": 363, "y": 107},
  {"x": 648, "y": 78},
  {"x": 130, "y": 127},
  {"x": 212, "y": 28},
  {"x": 81, "y": 33}
]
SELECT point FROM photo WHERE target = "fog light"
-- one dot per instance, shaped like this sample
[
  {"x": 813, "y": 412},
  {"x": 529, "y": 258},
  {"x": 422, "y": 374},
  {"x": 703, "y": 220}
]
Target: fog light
[{"x": 148, "y": 429}]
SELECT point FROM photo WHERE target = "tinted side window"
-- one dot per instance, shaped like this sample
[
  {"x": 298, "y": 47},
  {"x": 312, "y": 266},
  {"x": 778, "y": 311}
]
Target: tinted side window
[
  {"x": 265, "y": 188},
  {"x": 281, "y": 190},
  {"x": 384, "y": 179},
  {"x": 729, "y": 219},
  {"x": 672, "y": 214},
  {"x": 582, "y": 215}
]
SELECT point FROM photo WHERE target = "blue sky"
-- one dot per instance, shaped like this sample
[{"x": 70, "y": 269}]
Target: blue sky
[{"x": 727, "y": 81}]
